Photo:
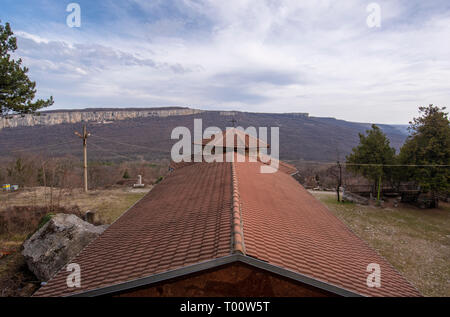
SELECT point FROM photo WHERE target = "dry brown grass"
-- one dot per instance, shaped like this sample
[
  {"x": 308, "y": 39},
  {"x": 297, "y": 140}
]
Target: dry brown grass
[
  {"x": 108, "y": 204},
  {"x": 20, "y": 221},
  {"x": 20, "y": 213},
  {"x": 415, "y": 241},
  {"x": 15, "y": 278}
]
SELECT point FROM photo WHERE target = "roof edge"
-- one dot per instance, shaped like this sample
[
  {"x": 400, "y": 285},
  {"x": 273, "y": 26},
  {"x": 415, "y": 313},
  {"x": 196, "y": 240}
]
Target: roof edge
[
  {"x": 210, "y": 264},
  {"x": 326, "y": 286},
  {"x": 159, "y": 277}
]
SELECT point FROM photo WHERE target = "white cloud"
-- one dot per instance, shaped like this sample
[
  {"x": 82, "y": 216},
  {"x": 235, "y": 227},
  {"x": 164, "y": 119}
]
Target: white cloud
[
  {"x": 33, "y": 37},
  {"x": 279, "y": 56}
]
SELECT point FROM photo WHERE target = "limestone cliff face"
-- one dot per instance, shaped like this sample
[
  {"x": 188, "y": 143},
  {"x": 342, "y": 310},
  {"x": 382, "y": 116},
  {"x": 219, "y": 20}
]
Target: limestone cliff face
[{"x": 96, "y": 115}]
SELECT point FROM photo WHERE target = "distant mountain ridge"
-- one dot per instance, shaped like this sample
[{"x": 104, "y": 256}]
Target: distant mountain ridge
[
  {"x": 54, "y": 117},
  {"x": 119, "y": 134}
]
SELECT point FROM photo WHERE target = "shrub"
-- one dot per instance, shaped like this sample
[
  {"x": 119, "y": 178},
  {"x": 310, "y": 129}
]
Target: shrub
[{"x": 27, "y": 219}]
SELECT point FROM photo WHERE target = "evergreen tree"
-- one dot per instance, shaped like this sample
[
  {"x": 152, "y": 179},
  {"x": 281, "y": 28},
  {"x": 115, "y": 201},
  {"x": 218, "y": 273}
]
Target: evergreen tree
[
  {"x": 373, "y": 149},
  {"x": 428, "y": 144},
  {"x": 17, "y": 91}
]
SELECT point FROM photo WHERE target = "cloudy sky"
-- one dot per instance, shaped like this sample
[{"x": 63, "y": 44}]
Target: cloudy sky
[{"x": 316, "y": 56}]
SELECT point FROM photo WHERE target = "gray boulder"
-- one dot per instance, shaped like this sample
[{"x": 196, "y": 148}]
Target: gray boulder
[{"x": 56, "y": 243}]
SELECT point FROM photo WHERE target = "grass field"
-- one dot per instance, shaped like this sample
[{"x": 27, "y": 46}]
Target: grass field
[{"x": 415, "y": 241}]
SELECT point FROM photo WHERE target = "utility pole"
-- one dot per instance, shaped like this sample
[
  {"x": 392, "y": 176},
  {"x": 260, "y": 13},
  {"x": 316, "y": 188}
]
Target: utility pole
[
  {"x": 84, "y": 137},
  {"x": 340, "y": 181}
]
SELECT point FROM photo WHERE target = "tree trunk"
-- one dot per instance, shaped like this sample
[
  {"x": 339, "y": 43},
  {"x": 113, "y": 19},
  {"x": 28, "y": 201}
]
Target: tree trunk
[
  {"x": 374, "y": 189},
  {"x": 435, "y": 203},
  {"x": 379, "y": 189}
]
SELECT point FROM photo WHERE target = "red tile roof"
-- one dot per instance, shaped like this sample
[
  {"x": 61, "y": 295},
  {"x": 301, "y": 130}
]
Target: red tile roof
[
  {"x": 238, "y": 234},
  {"x": 282, "y": 166},
  {"x": 207, "y": 211},
  {"x": 184, "y": 220},
  {"x": 241, "y": 139},
  {"x": 286, "y": 226}
]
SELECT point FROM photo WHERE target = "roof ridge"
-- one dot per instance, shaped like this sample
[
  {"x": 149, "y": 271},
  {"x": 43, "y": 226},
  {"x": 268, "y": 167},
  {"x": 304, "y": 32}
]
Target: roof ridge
[{"x": 238, "y": 244}]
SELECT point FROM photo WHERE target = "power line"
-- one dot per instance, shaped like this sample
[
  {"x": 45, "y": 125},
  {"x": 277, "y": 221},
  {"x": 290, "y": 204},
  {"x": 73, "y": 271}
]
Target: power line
[
  {"x": 374, "y": 164},
  {"x": 306, "y": 162},
  {"x": 122, "y": 143},
  {"x": 109, "y": 151},
  {"x": 132, "y": 145},
  {"x": 397, "y": 165},
  {"x": 43, "y": 147}
]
